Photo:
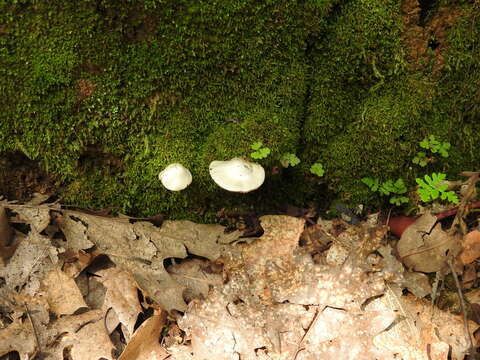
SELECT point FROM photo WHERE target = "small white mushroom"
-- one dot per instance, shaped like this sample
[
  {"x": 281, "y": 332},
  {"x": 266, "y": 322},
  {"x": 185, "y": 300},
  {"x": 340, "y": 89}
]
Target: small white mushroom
[
  {"x": 175, "y": 177},
  {"x": 237, "y": 175}
]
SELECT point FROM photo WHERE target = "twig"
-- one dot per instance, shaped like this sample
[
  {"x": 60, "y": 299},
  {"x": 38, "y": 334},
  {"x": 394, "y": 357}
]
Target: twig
[
  {"x": 39, "y": 348},
  {"x": 462, "y": 304},
  {"x": 310, "y": 327},
  {"x": 470, "y": 192}
]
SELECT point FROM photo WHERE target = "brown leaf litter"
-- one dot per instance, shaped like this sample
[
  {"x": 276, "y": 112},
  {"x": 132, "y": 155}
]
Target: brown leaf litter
[{"x": 71, "y": 291}]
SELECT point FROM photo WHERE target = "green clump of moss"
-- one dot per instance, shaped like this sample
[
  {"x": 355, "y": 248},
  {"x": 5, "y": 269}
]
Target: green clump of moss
[
  {"x": 147, "y": 84},
  {"x": 369, "y": 109},
  {"x": 105, "y": 94}
]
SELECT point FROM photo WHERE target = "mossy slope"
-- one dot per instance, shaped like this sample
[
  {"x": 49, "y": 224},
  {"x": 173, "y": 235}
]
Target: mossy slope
[
  {"x": 105, "y": 94},
  {"x": 370, "y": 106}
]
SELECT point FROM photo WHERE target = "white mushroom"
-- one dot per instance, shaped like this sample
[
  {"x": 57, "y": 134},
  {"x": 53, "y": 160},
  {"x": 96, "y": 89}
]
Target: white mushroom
[
  {"x": 175, "y": 177},
  {"x": 237, "y": 175}
]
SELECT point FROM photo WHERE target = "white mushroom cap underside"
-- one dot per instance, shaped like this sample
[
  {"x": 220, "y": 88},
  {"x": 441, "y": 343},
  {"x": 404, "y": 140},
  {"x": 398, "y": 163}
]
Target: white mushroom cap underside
[
  {"x": 175, "y": 177},
  {"x": 237, "y": 175}
]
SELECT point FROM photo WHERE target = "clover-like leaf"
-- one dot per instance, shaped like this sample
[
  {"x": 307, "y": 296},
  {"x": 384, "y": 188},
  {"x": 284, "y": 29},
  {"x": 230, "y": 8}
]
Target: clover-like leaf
[
  {"x": 256, "y": 145},
  {"x": 373, "y": 184},
  {"x": 289, "y": 159},
  {"x": 261, "y": 152},
  {"x": 317, "y": 169}
]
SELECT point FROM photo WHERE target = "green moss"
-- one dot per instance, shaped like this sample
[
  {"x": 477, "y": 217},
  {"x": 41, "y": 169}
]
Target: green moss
[
  {"x": 105, "y": 94},
  {"x": 367, "y": 112},
  {"x": 359, "y": 51},
  {"x": 149, "y": 84}
]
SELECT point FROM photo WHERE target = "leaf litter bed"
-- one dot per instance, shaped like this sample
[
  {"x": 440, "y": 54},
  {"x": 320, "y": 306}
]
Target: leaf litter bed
[{"x": 76, "y": 285}]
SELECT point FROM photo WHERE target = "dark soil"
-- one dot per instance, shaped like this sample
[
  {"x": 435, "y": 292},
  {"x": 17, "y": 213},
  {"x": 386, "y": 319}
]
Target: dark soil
[{"x": 21, "y": 177}]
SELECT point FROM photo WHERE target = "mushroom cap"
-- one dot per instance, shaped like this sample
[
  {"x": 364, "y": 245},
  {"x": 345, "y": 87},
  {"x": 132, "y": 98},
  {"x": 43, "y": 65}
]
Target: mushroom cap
[
  {"x": 237, "y": 175},
  {"x": 175, "y": 177}
]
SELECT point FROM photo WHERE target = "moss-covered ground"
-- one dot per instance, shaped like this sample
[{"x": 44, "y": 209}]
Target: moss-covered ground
[{"x": 104, "y": 94}]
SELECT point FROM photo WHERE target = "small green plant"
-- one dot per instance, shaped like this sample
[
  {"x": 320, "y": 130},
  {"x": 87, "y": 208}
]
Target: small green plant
[
  {"x": 372, "y": 183},
  {"x": 289, "y": 159},
  {"x": 434, "y": 186},
  {"x": 260, "y": 151},
  {"x": 431, "y": 144},
  {"x": 421, "y": 159},
  {"x": 388, "y": 188},
  {"x": 317, "y": 169},
  {"x": 435, "y": 146}
]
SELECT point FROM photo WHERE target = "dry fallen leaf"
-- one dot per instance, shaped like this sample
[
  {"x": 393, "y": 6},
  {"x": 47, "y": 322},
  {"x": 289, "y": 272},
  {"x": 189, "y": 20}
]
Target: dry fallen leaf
[
  {"x": 121, "y": 298},
  {"x": 421, "y": 326},
  {"x": 18, "y": 336},
  {"x": 144, "y": 344},
  {"x": 424, "y": 246},
  {"x": 141, "y": 248},
  {"x": 279, "y": 304},
  {"x": 7, "y": 246},
  {"x": 62, "y": 293},
  {"x": 471, "y": 247}
]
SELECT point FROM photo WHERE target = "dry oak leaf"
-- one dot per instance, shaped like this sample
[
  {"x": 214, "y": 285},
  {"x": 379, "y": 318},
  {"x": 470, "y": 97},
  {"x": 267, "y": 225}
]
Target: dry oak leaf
[
  {"x": 471, "y": 247},
  {"x": 266, "y": 261},
  {"x": 421, "y": 326},
  {"x": 223, "y": 329},
  {"x": 63, "y": 294},
  {"x": 32, "y": 260},
  {"x": 424, "y": 246},
  {"x": 121, "y": 297},
  {"x": 144, "y": 344},
  {"x": 140, "y": 248}
]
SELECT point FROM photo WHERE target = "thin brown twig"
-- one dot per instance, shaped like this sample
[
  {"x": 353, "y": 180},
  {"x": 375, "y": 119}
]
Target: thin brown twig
[
  {"x": 39, "y": 348},
  {"x": 462, "y": 304},
  {"x": 305, "y": 336}
]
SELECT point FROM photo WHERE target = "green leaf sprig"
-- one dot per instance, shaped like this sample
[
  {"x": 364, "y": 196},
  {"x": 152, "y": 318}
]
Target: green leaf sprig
[
  {"x": 434, "y": 187},
  {"x": 317, "y": 169},
  {"x": 289, "y": 159},
  {"x": 394, "y": 189},
  {"x": 260, "y": 151},
  {"x": 432, "y": 145}
]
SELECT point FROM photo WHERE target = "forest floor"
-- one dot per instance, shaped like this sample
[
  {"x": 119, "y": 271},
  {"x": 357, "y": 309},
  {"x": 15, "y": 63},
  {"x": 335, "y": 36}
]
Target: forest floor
[{"x": 77, "y": 284}]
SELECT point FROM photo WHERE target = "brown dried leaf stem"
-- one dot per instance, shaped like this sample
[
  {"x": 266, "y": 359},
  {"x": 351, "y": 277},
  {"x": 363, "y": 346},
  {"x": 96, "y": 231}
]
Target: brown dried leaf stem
[{"x": 462, "y": 304}]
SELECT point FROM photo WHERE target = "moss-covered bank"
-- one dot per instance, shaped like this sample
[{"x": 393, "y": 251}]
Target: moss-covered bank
[{"x": 106, "y": 93}]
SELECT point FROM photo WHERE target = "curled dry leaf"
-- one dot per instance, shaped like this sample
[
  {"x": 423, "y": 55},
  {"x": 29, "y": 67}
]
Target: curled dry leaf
[
  {"x": 471, "y": 247},
  {"x": 424, "y": 246},
  {"x": 144, "y": 344},
  {"x": 121, "y": 297},
  {"x": 63, "y": 295},
  {"x": 420, "y": 326}
]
